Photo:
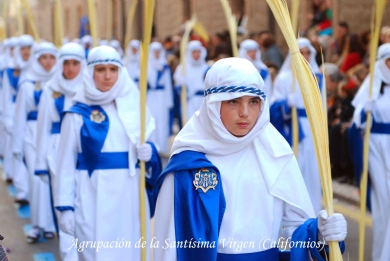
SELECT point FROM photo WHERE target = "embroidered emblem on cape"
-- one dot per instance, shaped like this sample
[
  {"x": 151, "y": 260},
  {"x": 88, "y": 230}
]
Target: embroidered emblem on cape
[
  {"x": 16, "y": 73},
  {"x": 37, "y": 86},
  {"x": 97, "y": 116},
  {"x": 205, "y": 180},
  {"x": 56, "y": 95}
]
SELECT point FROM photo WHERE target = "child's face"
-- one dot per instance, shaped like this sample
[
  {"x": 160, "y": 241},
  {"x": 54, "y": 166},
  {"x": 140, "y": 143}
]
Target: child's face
[{"x": 240, "y": 115}]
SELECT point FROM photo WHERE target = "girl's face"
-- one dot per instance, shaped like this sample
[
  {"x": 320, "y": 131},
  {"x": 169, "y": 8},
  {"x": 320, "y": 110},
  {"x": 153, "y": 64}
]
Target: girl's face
[
  {"x": 105, "y": 76},
  {"x": 196, "y": 55},
  {"x": 71, "y": 69},
  {"x": 156, "y": 54},
  {"x": 251, "y": 54},
  {"x": 47, "y": 61},
  {"x": 388, "y": 63},
  {"x": 240, "y": 115},
  {"x": 25, "y": 52},
  {"x": 306, "y": 53}
]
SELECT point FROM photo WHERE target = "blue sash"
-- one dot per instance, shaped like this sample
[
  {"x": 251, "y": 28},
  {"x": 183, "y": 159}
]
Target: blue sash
[
  {"x": 92, "y": 134},
  {"x": 59, "y": 104},
  {"x": 267, "y": 255},
  {"x": 199, "y": 93},
  {"x": 263, "y": 74},
  {"x": 13, "y": 80},
  {"x": 107, "y": 160},
  {"x": 37, "y": 97},
  {"x": 159, "y": 75},
  {"x": 380, "y": 128},
  {"x": 276, "y": 118},
  {"x": 301, "y": 113},
  {"x": 55, "y": 127},
  {"x": 32, "y": 116},
  {"x": 377, "y": 127}
]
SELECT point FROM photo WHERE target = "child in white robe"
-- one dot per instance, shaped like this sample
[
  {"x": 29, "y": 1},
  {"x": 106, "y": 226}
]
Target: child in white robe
[
  {"x": 281, "y": 102},
  {"x": 56, "y": 98},
  {"x": 11, "y": 78},
  {"x": 132, "y": 60},
  {"x": 23, "y": 58},
  {"x": 160, "y": 94},
  {"x": 233, "y": 180},
  {"x": 97, "y": 181},
  {"x": 379, "y": 156},
  {"x": 249, "y": 49},
  {"x": 193, "y": 78},
  {"x": 25, "y": 131}
]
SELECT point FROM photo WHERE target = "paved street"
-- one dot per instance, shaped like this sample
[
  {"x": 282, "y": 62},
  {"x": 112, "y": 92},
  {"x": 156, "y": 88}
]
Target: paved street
[{"x": 13, "y": 222}]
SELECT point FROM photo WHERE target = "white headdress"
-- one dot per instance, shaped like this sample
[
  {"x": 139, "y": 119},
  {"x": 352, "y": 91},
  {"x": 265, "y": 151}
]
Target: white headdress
[
  {"x": 154, "y": 64},
  {"x": 36, "y": 72},
  {"x": 70, "y": 51},
  {"x": 24, "y": 41},
  {"x": 132, "y": 60},
  {"x": 248, "y": 45},
  {"x": 228, "y": 79},
  {"x": 124, "y": 92},
  {"x": 302, "y": 43},
  {"x": 117, "y": 46},
  {"x": 381, "y": 75}
]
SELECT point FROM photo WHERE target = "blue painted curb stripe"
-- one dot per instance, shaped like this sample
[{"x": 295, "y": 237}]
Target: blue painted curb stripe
[
  {"x": 24, "y": 212},
  {"x": 44, "y": 257}
]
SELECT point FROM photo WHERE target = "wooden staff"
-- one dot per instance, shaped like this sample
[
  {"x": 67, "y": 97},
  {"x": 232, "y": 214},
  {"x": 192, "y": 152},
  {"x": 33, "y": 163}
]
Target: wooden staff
[
  {"x": 148, "y": 22},
  {"x": 59, "y": 22},
  {"x": 92, "y": 22},
  {"x": 294, "y": 113},
  {"x": 312, "y": 99},
  {"x": 324, "y": 91},
  {"x": 375, "y": 30},
  {"x": 130, "y": 18},
  {"x": 232, "y": 24},
  {"x": 31, "y": 21},
  {"x": 183, "y": 46},
  {"x": 20, "y": 19}
]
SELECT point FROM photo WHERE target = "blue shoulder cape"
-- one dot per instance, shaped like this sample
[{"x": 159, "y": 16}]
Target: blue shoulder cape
[{"x": 198, "y": 215}]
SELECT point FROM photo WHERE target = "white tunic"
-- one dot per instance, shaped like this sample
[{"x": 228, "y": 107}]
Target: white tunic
[
  {"x": 40, "y": 198},
  {"x": 106, "y": 204},
  {"x": 252, "y": 214},
  {"x": 7, "y": 110},
  {"x": 306, "y": 152},
  {"x": 159, "y": 103},
  {"x": 47, "y": 147},
  {"x": 379, "y": 169},
  {"x": 23, "y": 135}
]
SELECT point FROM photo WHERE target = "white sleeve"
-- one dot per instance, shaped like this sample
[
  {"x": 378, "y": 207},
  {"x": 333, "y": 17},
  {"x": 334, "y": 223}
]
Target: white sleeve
[
  {"x": 268, "y": 88},
  {"x": 164, "y": 222},
  {"x": 292, "y": 219},
  {"x": 178, "y": 76},
  {"x": 20, "y": 119},
  {"x": 6, "y": 101},
  {"x": 43, "y": 130},
  {"x": 167, "y": 81},
  {"x": 65, "y": 181},
  {"x": 282, "y": 87}
]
